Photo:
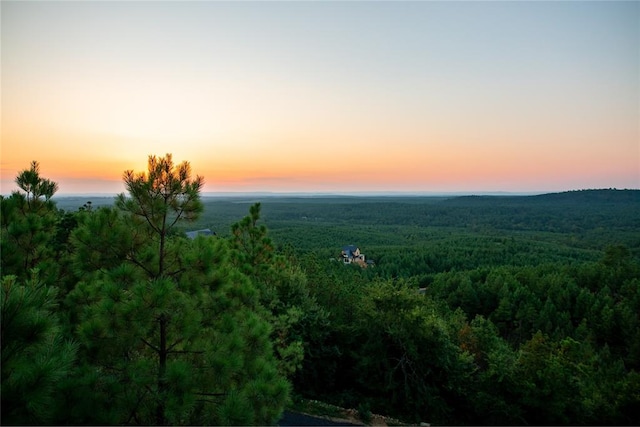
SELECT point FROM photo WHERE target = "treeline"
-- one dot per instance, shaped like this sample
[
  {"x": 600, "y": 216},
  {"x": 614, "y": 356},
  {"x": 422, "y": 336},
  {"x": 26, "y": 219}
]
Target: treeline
[{"x": 111, "y": 315}]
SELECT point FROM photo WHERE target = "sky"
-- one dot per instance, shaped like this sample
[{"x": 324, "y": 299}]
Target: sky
[{"x": 325, "y": 96}]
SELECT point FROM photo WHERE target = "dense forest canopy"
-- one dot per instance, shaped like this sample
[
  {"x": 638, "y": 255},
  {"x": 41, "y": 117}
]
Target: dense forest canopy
[{"x": 477, "y": 310}]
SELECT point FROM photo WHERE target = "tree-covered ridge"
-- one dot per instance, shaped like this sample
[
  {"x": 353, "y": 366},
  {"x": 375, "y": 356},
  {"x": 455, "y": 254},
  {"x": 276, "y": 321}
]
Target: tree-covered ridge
[{"x": 479, "y": 310}]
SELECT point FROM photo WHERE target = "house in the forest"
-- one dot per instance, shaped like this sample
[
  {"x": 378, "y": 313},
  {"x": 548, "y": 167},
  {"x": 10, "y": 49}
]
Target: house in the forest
[
  {"x": 203, "y": 232},
  {"x": 351, "y": 254}
]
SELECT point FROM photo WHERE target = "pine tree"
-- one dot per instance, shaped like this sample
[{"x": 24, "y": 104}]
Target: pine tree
[
  {"x": 35, "y": 357},
  {"x": 283, "y": 290},
  {"x": 27, "y": 226},
  {"x": 169, "y": 324},
  {"x": 159, "y": 199}
]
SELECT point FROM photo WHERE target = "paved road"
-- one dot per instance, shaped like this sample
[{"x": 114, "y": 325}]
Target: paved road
[{"x": 297, "y": 419}]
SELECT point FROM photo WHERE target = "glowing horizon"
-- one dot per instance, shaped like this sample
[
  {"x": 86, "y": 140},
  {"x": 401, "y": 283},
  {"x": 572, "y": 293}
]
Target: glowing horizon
[{"x": 325, "y": 97}]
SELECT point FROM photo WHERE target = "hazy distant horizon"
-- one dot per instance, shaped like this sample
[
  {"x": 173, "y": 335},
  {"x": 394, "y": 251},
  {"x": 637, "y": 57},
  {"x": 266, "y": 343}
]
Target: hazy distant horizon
[
  {"x": 399, "y": 193},
  {"x": 83, "y": 188}
]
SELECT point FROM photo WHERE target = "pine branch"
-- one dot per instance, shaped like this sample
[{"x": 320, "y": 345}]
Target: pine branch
[
  {"x": 134, "y": 411},
  {"x": 153, "y": 347},
  {"x": 206, "y": 400},
  {"x": 176, "y": 272},
  {"x": 179, "y": 214},
  {"x": 186, "y": 352},
  {"x": 147, "y": 217},
  {"x": 139, "y": 264},
  {"x": 172, "y": 346}
]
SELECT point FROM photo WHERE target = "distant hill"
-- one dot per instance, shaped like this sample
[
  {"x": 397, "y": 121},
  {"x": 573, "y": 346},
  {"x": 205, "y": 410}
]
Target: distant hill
[
  {"x": 598, "y": 197},
  {"x": 604, "y": 195}
]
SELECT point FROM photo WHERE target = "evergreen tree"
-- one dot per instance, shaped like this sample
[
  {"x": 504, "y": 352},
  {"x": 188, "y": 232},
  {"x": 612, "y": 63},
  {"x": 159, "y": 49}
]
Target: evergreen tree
[
  {"x": 159, "y": 199},
  {"x": 27, "y": 225},
  {"x": 170, "y": 331},
  {"x": 494, "y": 382},
  {"x": 35, "y": 356},
  {"x": 404, "y": 356},
  {"x": 34, "y": 186},
  {"x": 282, "y": 288}
]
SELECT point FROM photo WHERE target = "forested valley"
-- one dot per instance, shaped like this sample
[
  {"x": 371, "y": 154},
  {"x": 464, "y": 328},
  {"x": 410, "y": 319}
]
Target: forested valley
[{"x": 500, "y": 310}]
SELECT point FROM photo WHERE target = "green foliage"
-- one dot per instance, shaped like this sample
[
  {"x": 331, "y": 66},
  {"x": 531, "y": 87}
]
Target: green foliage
[
  {"x": 27, "y": 228},
  {"x": 34, "y": 186},
  {"x": 159, "y": 198},
  {"x": 254, "y": 250},
  {"x": 165, "y": 190},
  {"x": 408, "y": 359},
  {"x": 364, "y": 413},
  {"x": 35, "y": 356},
  {"x": 282, "y": 288}
]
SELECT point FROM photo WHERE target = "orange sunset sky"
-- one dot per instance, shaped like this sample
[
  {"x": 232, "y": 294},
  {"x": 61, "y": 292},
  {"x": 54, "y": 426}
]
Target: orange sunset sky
[{"x": 325, "y": 96}]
